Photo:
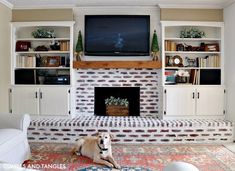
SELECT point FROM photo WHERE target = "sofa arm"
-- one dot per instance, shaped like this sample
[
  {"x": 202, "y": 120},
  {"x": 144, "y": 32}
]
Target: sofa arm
[{"x": 21, "y": 122}]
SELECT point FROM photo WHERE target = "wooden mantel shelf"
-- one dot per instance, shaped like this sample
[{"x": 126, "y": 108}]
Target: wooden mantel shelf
[{"x": 117, "y": 64}]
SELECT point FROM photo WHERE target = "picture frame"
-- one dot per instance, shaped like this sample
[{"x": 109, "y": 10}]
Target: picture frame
[
  {"x": 190, "y": 62},
  {"x": 213, "y": 47},
  {"x": 53, "y": 61}
]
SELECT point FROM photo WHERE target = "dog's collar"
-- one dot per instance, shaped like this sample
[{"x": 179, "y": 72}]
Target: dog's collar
[{"x": 102, "y": 149}]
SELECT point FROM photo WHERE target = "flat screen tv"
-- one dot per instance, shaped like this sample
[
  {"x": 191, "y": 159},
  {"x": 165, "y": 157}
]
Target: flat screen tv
[{"x": 117, "y": 35}]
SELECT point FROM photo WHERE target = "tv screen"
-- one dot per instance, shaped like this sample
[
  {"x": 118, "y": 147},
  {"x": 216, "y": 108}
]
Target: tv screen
[{"x": 117, "y": 35}]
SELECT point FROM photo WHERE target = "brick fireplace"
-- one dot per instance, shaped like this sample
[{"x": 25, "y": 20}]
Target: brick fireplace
[{"x": 146, "y": 79}]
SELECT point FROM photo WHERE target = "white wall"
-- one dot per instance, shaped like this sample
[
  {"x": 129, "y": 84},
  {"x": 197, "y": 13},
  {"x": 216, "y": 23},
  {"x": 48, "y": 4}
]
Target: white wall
[
  {"x": 5, "y": 19},
  {"x": 229, "y": 13}
]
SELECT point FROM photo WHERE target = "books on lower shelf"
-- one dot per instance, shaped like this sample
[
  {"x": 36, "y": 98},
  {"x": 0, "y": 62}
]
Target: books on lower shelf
[
  {"x": 170, "y": 77},
  {"x": 25, "y": 61},
  {"x": 194, "y": 77}
]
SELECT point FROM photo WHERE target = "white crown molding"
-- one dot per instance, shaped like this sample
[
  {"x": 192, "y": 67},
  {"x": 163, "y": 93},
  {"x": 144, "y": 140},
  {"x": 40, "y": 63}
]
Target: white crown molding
[
  {"x": 229, "y": 3},
  {"x": 207, "y": 4},
  {"x": 7, "y": 4},
  {"x": 191, "y": 6},
  {"x": 64, "y": 6}
]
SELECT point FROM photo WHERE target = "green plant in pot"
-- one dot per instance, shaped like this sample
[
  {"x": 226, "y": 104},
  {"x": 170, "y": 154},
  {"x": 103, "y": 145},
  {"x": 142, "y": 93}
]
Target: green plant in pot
[
  {"x": 116, "y": 101},
  {"x": 155, "y": 47},
  {"x": 79, "y": 47},
  {"x": 117, "y": 106},
  {"x": 43, "y": 33}
]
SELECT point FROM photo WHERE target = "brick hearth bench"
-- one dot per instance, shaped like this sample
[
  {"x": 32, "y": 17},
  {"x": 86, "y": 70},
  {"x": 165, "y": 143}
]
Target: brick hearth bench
[{"x": 132, "y": 130}]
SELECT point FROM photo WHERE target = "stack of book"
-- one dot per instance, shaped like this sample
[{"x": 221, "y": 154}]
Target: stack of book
[
  {"x": 170, "y": 77},
  {"x": 25, "y": 61},
  {"x": 64, "y": 45},
  {"x": 170, "y": 45},
  {"x": 209, "y": 61},
  {"x": 194, "y": 77}
]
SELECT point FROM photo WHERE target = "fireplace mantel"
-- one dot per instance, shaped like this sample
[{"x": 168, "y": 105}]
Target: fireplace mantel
[{"x": 117, "y": 64}]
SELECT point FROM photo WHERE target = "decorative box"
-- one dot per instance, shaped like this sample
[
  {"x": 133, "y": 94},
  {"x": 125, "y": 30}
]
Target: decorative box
[{"x": 23, "y": 46}]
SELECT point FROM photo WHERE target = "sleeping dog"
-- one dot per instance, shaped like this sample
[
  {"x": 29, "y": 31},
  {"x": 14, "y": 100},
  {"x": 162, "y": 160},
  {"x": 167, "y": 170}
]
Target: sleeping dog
[{"x": 97, "y": 148}]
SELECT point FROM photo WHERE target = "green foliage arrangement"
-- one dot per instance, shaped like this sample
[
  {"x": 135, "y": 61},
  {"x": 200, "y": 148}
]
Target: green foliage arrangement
[
  {"x": 43, "y": 33},
  {"x": 155, "y": 46},
  {"x": 116, "y": 101},
  {"x": 79, "y": 45},
  {"x": 191, "y": 32}
]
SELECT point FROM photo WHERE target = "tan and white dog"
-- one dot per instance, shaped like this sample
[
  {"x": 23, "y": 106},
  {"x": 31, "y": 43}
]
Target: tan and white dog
[{"x": 97, "y": 148}]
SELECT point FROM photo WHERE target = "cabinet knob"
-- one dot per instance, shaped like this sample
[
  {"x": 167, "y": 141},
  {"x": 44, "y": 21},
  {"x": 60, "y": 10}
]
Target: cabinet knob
[
  {"x": 36, "y": 95},
  {"x": 40, "y": 95},
  {"x": 193, "y": 95},
  {"x": 198, "y": 95}
]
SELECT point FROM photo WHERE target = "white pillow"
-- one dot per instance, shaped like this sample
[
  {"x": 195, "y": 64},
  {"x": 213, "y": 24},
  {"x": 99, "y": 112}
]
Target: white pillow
[{"x": 180, "y": 166}]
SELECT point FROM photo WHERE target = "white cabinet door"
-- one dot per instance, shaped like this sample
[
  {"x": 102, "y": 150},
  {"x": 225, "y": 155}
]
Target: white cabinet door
[
  {"x": 54, "y": 101},
  {"x": 25, "y": 100},
  {"x": 179, "y": 101},
  {"x": 210, "y": 101}
]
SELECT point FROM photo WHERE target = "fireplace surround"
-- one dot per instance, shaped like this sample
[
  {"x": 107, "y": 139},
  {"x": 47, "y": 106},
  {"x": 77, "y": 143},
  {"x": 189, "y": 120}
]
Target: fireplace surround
[{"x": 146, "y": 79}]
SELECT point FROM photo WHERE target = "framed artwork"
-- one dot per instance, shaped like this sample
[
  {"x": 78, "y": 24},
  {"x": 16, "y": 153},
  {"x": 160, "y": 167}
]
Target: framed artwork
[
  {"x": 212, "y": 47},
  {"x": 53, "y": 61}
]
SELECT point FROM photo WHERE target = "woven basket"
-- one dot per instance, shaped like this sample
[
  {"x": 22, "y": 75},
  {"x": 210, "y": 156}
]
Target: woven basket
[{"x": 113, "y": 110}]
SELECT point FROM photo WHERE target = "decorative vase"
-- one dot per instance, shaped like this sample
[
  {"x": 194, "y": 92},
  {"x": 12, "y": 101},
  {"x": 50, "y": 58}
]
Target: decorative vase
[{"x": 41, "y": 79}]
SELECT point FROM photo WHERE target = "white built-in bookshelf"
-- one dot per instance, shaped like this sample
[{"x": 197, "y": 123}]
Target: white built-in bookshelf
[
  {"x": 41, "y": 74},
  {"x": 193, "y": 69}
]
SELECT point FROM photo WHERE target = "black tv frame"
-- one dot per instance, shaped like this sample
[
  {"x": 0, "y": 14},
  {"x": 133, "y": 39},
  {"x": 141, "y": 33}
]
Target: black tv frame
[{"x": 116, "y": 53}]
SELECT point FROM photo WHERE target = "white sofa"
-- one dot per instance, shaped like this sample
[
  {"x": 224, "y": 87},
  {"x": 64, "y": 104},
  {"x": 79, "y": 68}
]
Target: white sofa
[{"x": 14, "y": 146}]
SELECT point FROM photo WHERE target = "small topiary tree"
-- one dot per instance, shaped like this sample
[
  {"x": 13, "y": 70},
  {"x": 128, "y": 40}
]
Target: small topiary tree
[
  {"x": 79, "y": 46},
  {"x": 155, "y": 47}
]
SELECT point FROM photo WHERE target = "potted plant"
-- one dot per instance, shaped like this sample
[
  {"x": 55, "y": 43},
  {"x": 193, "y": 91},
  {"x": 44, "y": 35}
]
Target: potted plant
[
  {"x": 155, "y": 47},
  {"x": 117, "y": 106},
  {"x": 79, "y": 47}
]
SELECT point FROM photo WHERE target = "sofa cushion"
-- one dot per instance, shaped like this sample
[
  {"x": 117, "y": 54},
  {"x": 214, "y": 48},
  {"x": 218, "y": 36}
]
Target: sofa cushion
[{"x": 10, "y": 138}]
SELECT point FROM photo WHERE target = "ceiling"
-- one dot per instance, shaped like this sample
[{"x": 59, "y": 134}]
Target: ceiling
[{"x": 32, "y": 4}]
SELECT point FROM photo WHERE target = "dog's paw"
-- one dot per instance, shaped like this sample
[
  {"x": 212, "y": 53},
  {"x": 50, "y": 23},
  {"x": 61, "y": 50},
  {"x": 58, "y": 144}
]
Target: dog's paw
[
  {"x": 77, "y": 153},
  {"x": 109, "y": 165},
  {"x": 117, "y": 166}
]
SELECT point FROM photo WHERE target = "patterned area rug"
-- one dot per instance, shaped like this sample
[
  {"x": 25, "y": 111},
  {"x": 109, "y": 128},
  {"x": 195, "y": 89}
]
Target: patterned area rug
[
  {"x": 99, "y": 168},
  {"x": 56, "y": 157}
]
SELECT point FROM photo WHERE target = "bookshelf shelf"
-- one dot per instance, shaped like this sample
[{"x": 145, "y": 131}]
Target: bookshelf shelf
[
  {"x": 190, "y": 52},
  {"x": 60, "y": 68},
  {"x": 192, "y": 39},
  {"x": 192, "y": 67},
  {"x": 43, "y": 52},
  {"x": 43, "y": 39}
]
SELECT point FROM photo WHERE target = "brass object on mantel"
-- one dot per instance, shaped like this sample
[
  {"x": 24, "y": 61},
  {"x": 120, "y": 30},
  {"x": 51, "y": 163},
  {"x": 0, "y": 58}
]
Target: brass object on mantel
[{"x": 117, "y": 64}]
